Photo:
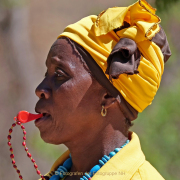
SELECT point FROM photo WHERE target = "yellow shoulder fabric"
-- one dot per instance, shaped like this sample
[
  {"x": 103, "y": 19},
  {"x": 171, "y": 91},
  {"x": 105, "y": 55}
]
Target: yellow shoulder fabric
[
  {"x": 147, "y": 172},
  {"x": 96, "y": 35},
  {"x": 128, "y": 164}
]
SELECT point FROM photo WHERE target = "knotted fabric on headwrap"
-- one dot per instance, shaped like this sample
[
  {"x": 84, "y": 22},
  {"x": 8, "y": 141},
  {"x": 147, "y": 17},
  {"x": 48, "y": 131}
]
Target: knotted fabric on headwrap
[{"x": 103, "y": 36}]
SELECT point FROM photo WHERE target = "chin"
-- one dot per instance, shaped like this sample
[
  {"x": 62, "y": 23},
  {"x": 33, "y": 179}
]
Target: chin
[{"x": 47, "y": 138}]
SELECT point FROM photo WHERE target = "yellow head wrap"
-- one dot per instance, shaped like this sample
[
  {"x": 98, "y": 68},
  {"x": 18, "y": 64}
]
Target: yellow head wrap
[{"x": 95, "y": 34}]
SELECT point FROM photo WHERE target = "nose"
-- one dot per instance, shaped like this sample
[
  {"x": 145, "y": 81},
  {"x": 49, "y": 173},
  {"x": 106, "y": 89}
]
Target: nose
[{"x": 43, "y": 91}]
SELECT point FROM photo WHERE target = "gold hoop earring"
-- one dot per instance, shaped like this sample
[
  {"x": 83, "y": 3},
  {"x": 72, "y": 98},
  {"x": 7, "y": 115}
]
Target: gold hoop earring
[{"x": 103, "y": 111}]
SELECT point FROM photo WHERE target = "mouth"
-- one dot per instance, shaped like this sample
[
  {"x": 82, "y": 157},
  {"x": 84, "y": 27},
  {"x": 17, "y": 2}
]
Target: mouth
[{"x": 46, "y": 116}]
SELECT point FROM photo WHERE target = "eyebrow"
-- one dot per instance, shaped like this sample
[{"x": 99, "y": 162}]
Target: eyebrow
[{"x": 55, "y": 60}]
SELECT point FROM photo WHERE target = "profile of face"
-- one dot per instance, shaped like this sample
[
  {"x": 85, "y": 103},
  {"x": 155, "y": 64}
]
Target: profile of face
[{"x": 69, "y": 97}]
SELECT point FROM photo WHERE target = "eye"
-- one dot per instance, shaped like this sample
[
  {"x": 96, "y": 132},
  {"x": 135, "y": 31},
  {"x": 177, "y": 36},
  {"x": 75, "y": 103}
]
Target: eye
[{"x": 60, "y": 75}]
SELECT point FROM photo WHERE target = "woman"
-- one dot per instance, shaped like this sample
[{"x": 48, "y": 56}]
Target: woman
[{"x": 102, "y": 71}]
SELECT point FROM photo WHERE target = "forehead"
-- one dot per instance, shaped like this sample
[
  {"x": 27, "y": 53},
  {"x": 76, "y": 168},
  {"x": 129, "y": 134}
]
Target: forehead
[
  {"x": 62, "y": 45},
  {"x": 62, "y": 51}
]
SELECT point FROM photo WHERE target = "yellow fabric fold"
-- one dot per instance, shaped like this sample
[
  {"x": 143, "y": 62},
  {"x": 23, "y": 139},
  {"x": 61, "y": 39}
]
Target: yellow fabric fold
[{"x": 96, "y": 35}]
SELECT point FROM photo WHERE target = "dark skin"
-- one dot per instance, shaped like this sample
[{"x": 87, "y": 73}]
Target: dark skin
[{"x": 71, "y": 100}]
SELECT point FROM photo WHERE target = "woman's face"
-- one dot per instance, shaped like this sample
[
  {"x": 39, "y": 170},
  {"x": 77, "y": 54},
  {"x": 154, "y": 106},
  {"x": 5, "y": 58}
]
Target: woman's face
[{"x": 69, "y": 98}]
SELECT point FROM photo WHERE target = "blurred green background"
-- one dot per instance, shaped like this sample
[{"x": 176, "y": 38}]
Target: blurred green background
[{"x": 27, "y": 30}]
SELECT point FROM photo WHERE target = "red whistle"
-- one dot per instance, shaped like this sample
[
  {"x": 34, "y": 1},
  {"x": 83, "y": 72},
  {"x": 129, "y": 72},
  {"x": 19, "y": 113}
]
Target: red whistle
[{"x": 24, "y": 116}]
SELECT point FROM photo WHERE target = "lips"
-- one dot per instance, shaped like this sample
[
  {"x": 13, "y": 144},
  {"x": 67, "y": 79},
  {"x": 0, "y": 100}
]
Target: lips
[
  {"x": 46, "y": 117},
  {"x": 43, "y": 108}
]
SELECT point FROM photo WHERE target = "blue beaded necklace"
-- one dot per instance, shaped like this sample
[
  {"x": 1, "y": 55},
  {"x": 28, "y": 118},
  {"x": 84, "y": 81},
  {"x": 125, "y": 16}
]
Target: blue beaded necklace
[{"x": 61, "y": 172}]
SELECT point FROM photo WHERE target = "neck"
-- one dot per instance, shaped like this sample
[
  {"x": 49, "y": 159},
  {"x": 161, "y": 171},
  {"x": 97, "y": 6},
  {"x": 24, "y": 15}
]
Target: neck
[{"x": 87, "y": 151}]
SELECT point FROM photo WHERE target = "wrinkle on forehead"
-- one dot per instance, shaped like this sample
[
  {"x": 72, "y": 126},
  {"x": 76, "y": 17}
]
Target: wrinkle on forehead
[
  {"x": 63, "y": 53},
  {"x": 70, "y": 52},
  {"x": 59, "y": 50}
]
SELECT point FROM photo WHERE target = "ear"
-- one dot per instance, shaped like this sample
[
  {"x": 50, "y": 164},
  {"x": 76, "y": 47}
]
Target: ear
[{"x": 108, "y": 100}]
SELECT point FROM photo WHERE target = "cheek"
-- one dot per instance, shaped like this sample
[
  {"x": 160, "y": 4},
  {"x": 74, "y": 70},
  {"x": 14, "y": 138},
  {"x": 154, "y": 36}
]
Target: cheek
[
  {"x": 71, "y": 102},
  {"x": 74, "y": 104},
  {"x": 69, "y": 95}
]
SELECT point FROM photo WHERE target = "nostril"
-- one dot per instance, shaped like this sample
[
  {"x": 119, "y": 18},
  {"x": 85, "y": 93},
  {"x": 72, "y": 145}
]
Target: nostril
[
  {"x": 42, "y": 92},
  {"x": 42, "y": 95}
]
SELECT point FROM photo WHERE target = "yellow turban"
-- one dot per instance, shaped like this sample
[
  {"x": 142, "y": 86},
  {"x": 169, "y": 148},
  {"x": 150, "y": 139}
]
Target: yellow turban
[{"x": 95, "y": 34}]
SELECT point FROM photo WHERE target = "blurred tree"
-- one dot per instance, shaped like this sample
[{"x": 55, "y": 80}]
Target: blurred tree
[
  {"x": 164, "y": 4},
  {"x": 17, "y": 71}
]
